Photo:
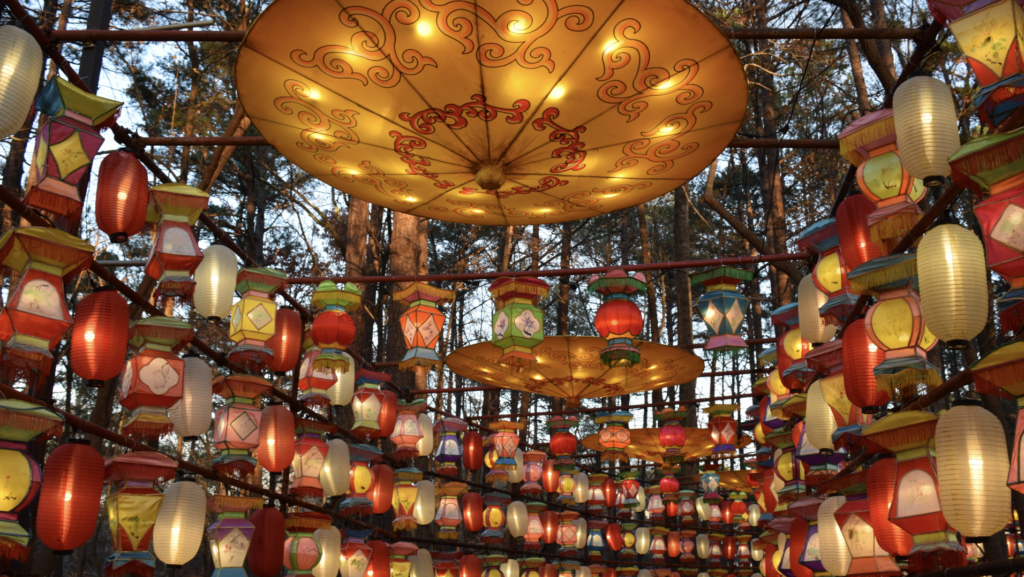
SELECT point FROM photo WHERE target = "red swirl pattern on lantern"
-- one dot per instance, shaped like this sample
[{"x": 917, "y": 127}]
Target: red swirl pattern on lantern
[
  {"x": 469, "y": 566},
  {"x": 382, "y": 489},
  {"x": 333, "y": 330},
  {"x": 881, "y": 483},
  {"x": 380, "y": 559},
  {"x": 69, "y": 500},
  {"x": 854, "y": 235},
  {"x": 277, "y": 438},
  {"x": 551, "y": 476},
  {"x": 99, "y": 337},
  {"x": 798, "y": 537},
  {"x": 610, "y": 490},
  {"x": 122, "y": 195},
  {"x": 860, "y": 357},
  {"x": 286, "y": 344},
  {"x": 549, "y": 520},
  {"x": 473, "y": 512},
  {"x": 619, "y": 317},
  {"x": 472, "y": 451},
  {"x": 266, "y": 549},
  {"x": 613, "y": 537}
]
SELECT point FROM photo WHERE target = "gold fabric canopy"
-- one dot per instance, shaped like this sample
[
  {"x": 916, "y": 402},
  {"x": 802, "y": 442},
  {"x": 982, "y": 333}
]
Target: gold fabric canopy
[
  {"x": 570, "y": 368},
  {"x": 586, "y": 107},
  {"x": 645, "y": 444}
]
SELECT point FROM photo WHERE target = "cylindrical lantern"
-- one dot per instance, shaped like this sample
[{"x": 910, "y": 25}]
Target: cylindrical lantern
[
  {"x": 810, "y": 299},
  {"x": 69, "y": 500},
  {"x": 277, "y": 438},
  {"x": 881, "y": 484},
  {"x": 954, "y": 284},
  {"x": 380, "y": 559},
  {"x": 860, "y": 357},
  {"x": 970, "y": 455},
  {"x": 581, "y": 533},
  {"x": 518, "y": 519},
  {"x": 927, "y": 132},
  {"x": 423, "y": 564},
  {"x": 179, "y": 526},
  {"x": 423, "y": 509},
  {"x": 581, "y": 489},
  {"x": 469, "y": 566},
  {"x": 425, "y": 446},
  {"x": 818, "y": 419},
  {"x": 643, "y": 541},
  {"x": 703, "y": 546},
  {"x": 215, "y": 283},
  {"x": 191, "y": 415},
  {"x": 754, "y": 515},
  {"x": 515, "y": 474},
  {"x": 610, "y": 491},
  {"x": 329, "y": 539},
  {"x": 473, "y": 512},
  {"x": 21, "y": 64},
  {"x": 286, "y": 344},
  {"x": 549, "y": 521},
  {"x": 122, "y": 194},
  {"x": 99, "y": 337},
  {"x": 335, "y": 475},
  {"x": 613, "y": 537},
  {"x": 550, "y": 475},
  {"x": 382, "y": 489},
  {"x": 266, "y": 551},
  {"x": 341, "y": 392},
  {"x": 835, "y": 555},
  {"x": 472, "y": 451}
]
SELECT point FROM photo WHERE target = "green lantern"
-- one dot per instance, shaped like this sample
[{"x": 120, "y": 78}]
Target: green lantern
[
  {"x": 722, "y": 308},
  {"x": 518, "y": 324}
]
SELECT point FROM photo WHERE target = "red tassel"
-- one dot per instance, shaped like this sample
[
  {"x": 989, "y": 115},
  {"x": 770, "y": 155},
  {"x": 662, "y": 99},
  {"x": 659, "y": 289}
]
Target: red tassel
[
  {"x": 936, "y": 561},
  {"x": 13, "y": 551}
]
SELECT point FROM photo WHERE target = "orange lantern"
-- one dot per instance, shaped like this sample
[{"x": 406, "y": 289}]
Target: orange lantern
[
  {"x": 549, "y": 521},
  {"x": 421, "y": 323},
  {"x": 333, "y": 330},
  {"x": 618, "y": 319},
  {"x": 472, "y": 451},
  {"x": 287, "y": 340},
  {"x": 494, "y": 518},
  {"x": 550, "y": 478},
  {"x": 449, "y": 515},
  {"x": 371, "y": 406},
  {"x": 535, "y": 527},
  {"x": 277, "y": 440},
  {"x": 122, "y": 193},
  {"x": 407, "y": 428},
  {"x": 723, "y": 427},
  {"x": 614, "y": 437},
  {"x": 473, "y": 512},
  {"x": 153, "y": 380},
  {"x": 237, "y": 422},
  {"x": 382, "y": 489},
  {"x": 99, "y": 337},
  {"x": 533, "y": 471}
]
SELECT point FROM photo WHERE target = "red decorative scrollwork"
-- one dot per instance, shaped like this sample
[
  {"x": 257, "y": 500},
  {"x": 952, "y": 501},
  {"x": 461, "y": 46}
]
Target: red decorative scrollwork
[
  {"x": 374, "y": 41},
  {"x": 366, "y": 173},
  {"x": 424, "y": 120},
  {"x": 544, "y": 184},
  {"x": 647, "y": 81},
  {"x": 572, "y": 146},
  {"x": 404, "y": 146},
  {"x": 318, "y": 136}
]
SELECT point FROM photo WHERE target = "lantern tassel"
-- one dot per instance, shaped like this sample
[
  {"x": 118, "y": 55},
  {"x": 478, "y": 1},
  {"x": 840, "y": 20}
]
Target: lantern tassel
[
  {"x": 13, "y": 551},
  {"x": 306, "y": 523},
  {"x": 906, "y": 377},
  {"x": 870, "y": 133},
  {"x": 404, "y": 524},
  {"x": 936, "y": 557},
  {"x": 985, "y": 160},
  {"x": 331, "y": 362},
  {"x": 48, "y": 427},
  {"x": 409, "y": 363},
  {"x": 248, "y": 502},
  {"x": 181, "y": 288},
  {"x": 148, "y": 430},
  {"x": 985, "y": 379},
  {"x": 1011, "y": 311},
  {"x": 905, "y": 436}
]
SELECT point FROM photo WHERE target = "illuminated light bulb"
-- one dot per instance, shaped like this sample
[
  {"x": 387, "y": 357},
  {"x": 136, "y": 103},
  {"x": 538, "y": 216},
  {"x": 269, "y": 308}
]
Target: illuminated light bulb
[
  {"x": 976, "y": 463},
  {"x": 557, "y": 93},
  {"x": 609, "y": 45},
  {"x": 423, "y": 28},
  {"x": 67, "y": 496},
  {"x": 873, "y": 347},
  {"x": 270, "y": 442},
  {"x": 122, "y": 195},
  {"x": 90, "y": 336},
  {"x": 410, "y": 198},
  {"x": 665, "y": 129}
]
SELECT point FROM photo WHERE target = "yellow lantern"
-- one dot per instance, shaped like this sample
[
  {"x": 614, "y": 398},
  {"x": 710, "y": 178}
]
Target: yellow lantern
[
  {"x": 953, "y": 282},
  {"x": 404, "y": 499},
  {"x": 927, "y": 133},
  {"x": 253, "y": 316}
]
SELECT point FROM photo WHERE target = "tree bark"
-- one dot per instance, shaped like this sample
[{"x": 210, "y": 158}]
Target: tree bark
[
  {"x": 407, "y": 256},
  {"x": 357, "y": 231},
  {"x": 654, "y": 334},
  {"x": 863, "y": 101},
  {"x": 684, "y": 299}
]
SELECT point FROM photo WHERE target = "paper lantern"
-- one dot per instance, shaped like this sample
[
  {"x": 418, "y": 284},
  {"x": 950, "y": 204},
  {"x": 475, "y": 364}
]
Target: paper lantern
[
  {"x": 425, "y": 446},
  {"x": 618, "y": 319},
  {"x": 703, "y": 546},
  {"x": 722, "y": 307},
  {"x": 581, "y": 488},
  {"x": 400, "y": 563},
  {"x": 473, "y": 512},
  {"x": 215, "y": 283},
  {"x": 723, "y": 427},
  {"x": 517, "y": 324},
  {"x": 380, "y": 562},
  {"x": 655, "y": 504},
  {"x": 175, "y": 254},
  {"x": 450, "y": 515},
  {"x": 866, "y": 556},
  {"x": 254, "y": 317},
  {"x": 671, "y": 433},
  {"x": 492, "y": 565},
  {"x": 371, "y": 405},
  {"x": 627, "y": 493},
  {"x": 614, "y": 436},
  {"x": 301, "y": 549},
  {"x": 423, "y": 508},
  {"x": 472, "y": 451},
  {"x": 231, "y": 533},
  {"x": 494, "y": 518},
  {"x": 550, "y": 477},
  {"x": 999, "y": 217},
  {"x": 515, "y": 475},
  {"x": 343, "y": 389},
  {"x": 122, "y": 194},
  {"x": 69, "y": 500},
  {"x": 329, "y": 539},
  {"x": 449, "y": 448},
  {"x": 354, "y": 559},
  {"x": 237, "y": 423},
  {"x": 614, "y": 537},
  {"x": 20, "y": 70},
  {"x": 754, "y": 515},
  {"x": 972, "y": 466},
  {"x": 421, "y": 324},
  {"x": 266, "y": 551},
  {"x": 820, "y": 424},
  {"x": 835, "y": 555},
  {"x": 99, "y": 336},
  {"x": 534, "y": 526},
  {"x": 333, "y": 330},
  {"x": 191, "y": 414},
  {"x": 335, "y": 472},
  {"x": 154, "y": 379},
  {"x": 567, "y": 533},
  {"x": 276, "y": 435},
  {"x": 813, "y": 328},
  {"x": 407, "y": 431},
  {"x": 854, "y": 235},
  {"x": 286, "y": 343},
  {"x": 132, "y": 509},
  {"x": 318, "y": 386},
  {"x": 422, "y": 564},
  {"x": 549, "y": 521},
  {"x": 926, "y": 128},
  {"x": 382, "y": 488},
  {"x": 792, "y": 367},
  {"x": 881, "y": 486},
  {"x": 469, "y": 566},
  {"x": 404, "y": 498},
  {"x": 533, "y": 471},
  {"x": 829, "y": 272},
  {"x": 953, "y": 283},
  {"x": 178, "y": 530},
  {"x": 505, "y": 441},
  {"x": 860, "y": 357},
  {"x": 308, "y": 459}
]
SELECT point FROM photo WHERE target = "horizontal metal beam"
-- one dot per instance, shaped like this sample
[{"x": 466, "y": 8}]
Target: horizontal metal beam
[{"x": 238, "y": 36}]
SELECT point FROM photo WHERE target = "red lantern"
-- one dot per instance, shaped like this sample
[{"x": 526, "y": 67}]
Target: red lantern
[
  {"x": 277, "y": 438},
  {"x": 333, "y": 329},
  {"x": 122, "y": 194},
  {"x": 619, "y": 317},
  {"x": 380, "y": 559},
  {"x": 729, "y": 547},
  {"x": 854, "y": 234},
  {"x": 473, "y": 512},
  {"x": 797, "y": 541},
  {"x": 726, "y": 509},
  {"x": 562, "y": 442},
  {"x": 672, "y": 435},
  {"x": 382, "y": 489},
  {"x": 99, "y": 337},
  {"x": 860, "y": 357},
  {"x": 549, "y": 520},
  {"x": 548, "y": 570},
  {"x": 613, "y": 537},
  {"x": 175, "y": 255},
  {"x": 266, "y": 550},
  {"x": 469, "y": 566},
  {"x": 881, "y": 483},
  {"x": 671, "y": 509},
  {"x": 388, "y": 413},
  {"x": 675, "y": 544},
  {"x": 472, "y": 451},
  {"x": 551, "y": 476},
  {"x": 286, "y": 342},
  {"x": 610, "y": 490},
  {"x": 69, "y": 500}
]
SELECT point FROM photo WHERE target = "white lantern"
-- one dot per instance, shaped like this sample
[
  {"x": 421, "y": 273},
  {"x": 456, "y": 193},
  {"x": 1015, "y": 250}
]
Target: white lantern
[
  {"x": 643, "y": 540},
  {"x": 703, "y": 574},
  {"x": 515, "y": 475},
  {"x": 953, "y": 284},
  {"x": 756, "y": 554},
  {"x": 644, "y": 573},
  {"x": 425, "y": 446},
  {"x": 754, "y": 516},
  {"x": 334, "y": 475},
  {"x": 423, "y": 508},
  {"x": 818, "y": 419},
  {"x": 518, "y": 519},
  {"x": 340, "y": 393},
  {"x": 215, "y": 283},
  {"x": 641, "y": 498},
  {"x": 330, "y": 543},
  {"x": 926, "y": 128},
  {"x": 810, "y": 299},
  {"x": 581, "y": 491},
  {"x": 178, "y": 530},
  {"x": 835, "y": 555},
  {"x": 423, "y": 564},
  {"x": 970, "y": 455},
  {"x": 703, "y": 546},
  {"x": 510, "y": 568},
  {"x": 21, "y": 65},
  {"x": 581, "y": 532},
  {"x": 583, "y": 571},
  {"x": 703, "y": 509},
  {"x": 192, "y": 414},
  {"x": 785, "y": 554}
]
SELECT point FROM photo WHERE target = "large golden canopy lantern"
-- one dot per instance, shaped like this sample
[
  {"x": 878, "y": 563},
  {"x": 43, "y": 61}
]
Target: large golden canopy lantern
[
  {"x": 646, "y": 444},
  {"x": 496, "y": 111},
  {"x": 570, "y": 368}
]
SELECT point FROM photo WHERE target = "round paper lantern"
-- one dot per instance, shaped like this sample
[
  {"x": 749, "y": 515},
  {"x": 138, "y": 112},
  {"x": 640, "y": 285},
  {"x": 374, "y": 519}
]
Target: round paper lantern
[
  {"x": 515, "y": 474},
  {"x": 191, "y": 415},
  {"x": 754, "y": 515},
  {"x": 382, "y": 489},
  {"x": 266, "y": 551},
  {"x": 122, "y": 195},
  {"x": 643, "y": 541},
  {"x": 179, "y": 526},
  {"x": 21, "y": 64},
  {"x": 286, "y": 344},
  {"x": 970, "y": 455},
  {"x": 469, "y": 566},
  {"x": 472, "y": 450},
  {"x": 518, "y": 519},
  {"x": 927, "y": 132},
  {"x": 329, "y": 539},
  {"x": 813, "y": 328},
  {"x": 610, "y": 490},
  {"x": 341, "y": 392},
  {"x": 69, "y": 500},
  {"x": 509, "y": 568},
  {"x": 215, "y": 283},
  {"x": 618, "y": 317},
  {"x": 954, "y": 284},
  {"x": 818, "y": 419},
  {"x": 881, "y": 484},
  {"x": 333, "y": 329},
  {"x": 335, "y": 475},
  {"x": 473, "y": 512},
  {"x": 423, "y": 510},
  {"x": 550, "y": 476},
  {"x": 277, "y": 438},
  {"x": 854, "y": 235},
  {"x": 860, "y": 357},
  {"x": 835, "y": 555},
  {"x": 581, "y": 490},
  {"x": 549, "y": 521},
  {"x": 703, "y": 546},
  {"x": 99, "y": 337}
]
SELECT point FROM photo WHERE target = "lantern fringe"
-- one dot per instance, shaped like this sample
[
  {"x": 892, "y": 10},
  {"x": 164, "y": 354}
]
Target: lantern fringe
[
  {"x": 303, "y": 492},
  {"x": 181, "y": 288},
  {"x": 235, "y": 468},
  {"x": 48, "y": 249},
  {"x": 13, "y": 551},
  {"x": 131, "y": 569},
  {"x": 448, "y": 469},
  {"x": 519, "y": 287},
  {"x": 816, "y": 237},
  {"x": 887, "y": 233},
  {"x": 405, "y": 525},
  {"x": 1011, "y": 312},
  {"x": 24, "y": 363},
  {"x": 903, "y": 436},
  {"x": 1010, "y": 150},
  {"x": 251, "y": 359},
  {"x": 870, "y": 133},
  {"x": 906, "y": 378},
  {"x": 150, "y": 431},
  {"x": 614, "y": 455},
  {"x": 985, "y": 379},
  {"x": 306, "y": 523},
  {"x": 406, "y": 364},
  {"x": 937, "y": 558},
  {"x": 448, "y": 535},
  {"x": 402, "y": 454},
  {"x": 440, "y": 294},
  {"x": 862, "y": 283},
  {"x": 48, "y": 427},
  {"x": 315, "y": 398},
  {"x": 332, "y": 362},
  {"x": 247, "y": 502},
  {"x": 736, "y": 273}
]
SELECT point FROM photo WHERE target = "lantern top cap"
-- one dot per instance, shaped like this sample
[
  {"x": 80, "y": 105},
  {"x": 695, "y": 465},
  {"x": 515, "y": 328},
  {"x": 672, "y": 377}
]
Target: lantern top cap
[
  {"x": 366, "y": 376},
  {"x": 450, "y": 425},
  {"x": 987, "y": 160},
  {"x": 149, "y": 466},
  {"x": 989, "y": 367},
  {"x": 824, "y": 358},
  {"x": 310, "y": 520},
  {"x": 497, "y": 499},
  {"x": 768, "y": 356},
  {"x": 62, "y": 98},
  {"x": 245, "y": 386},
  {"x": 721, "y": 275},
  {"x": 266, "y": 280},
  {"x": 414, "y": 406},
  {"x": 451, "y": 489},
  {"x": 617, "y": 281},
  {"x": 883, "y": 274},
  {"x": 50, "y": 246},
  {"x": 235, "y": 504},
  {"x": 403, "y": 548},
  {"x": 786, "y": 315},
  {"x": 716, "y": 410},
  {"x": 563, "y": 422},
  {"x": 421, "y": 291},
  {"x": 523, "y": 287},
  {"x": 819, "y": 237},
  {"x": 408, "y": 474},
  {"x": 309, "y": 426},
  {"x": 506, "y": 426},
  {"x": 613, "y": 417},
  {"x": 903, "y": 431},
  {"x": 866, "y": 134},
  {"x": 163, "y": 332},
  {"x": 176, "y": 200},
  {"x": 365, "y": 453},
  {"x": 671, "y": 414},
  {"x": 328, "y": 294},
  {"x": 22, "y": 421}
]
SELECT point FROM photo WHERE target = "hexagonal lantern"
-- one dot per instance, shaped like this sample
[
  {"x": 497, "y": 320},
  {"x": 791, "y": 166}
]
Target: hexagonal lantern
[
  {"x": 175, "y": 255},
  {"x": 370, "y": 404},
  {"x": 534, "y": 527},
  {"x": 403, "y": 498},
  {"x": 153, "y": 380},
  {"x": 310, "y": 452},
  {"x": 829, "y": 273},
  {"x": 505, "y": 441},
  {"x": 355, "y": 553},
  {"x": 614, "y": 437},
  {"x": 494, "y": 518},
  {"x": 449, "y": 514},
  {"x": 407, "y": 428},
  {"x": 722, "y": 307},
  {"x": 361, "y": 478},
  {"x": 421, "y": 324},
  {"x": 517, "y": 324},
  {"x": 449, "y": 447},
  {"x": 236, "y": 424},
  {"x": 231, "y": 532},
  {"x": 723, "y": 427},
  {"x": 253, "y": 316}
]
